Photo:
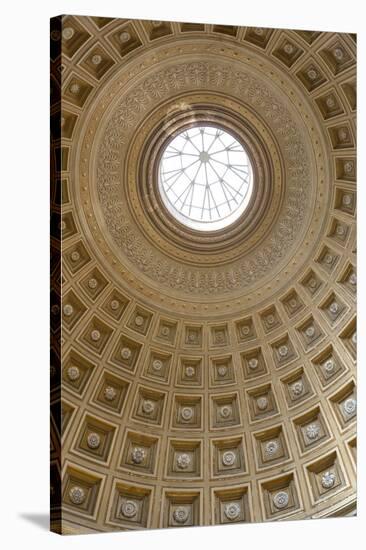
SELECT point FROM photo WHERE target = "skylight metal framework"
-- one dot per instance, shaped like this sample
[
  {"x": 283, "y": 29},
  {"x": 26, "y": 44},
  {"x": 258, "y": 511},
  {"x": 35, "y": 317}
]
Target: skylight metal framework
[{"x": 205, "y": 178}]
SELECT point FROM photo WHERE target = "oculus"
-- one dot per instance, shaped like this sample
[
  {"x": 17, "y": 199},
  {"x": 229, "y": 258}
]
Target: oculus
[{"x": 205, "y": 178}]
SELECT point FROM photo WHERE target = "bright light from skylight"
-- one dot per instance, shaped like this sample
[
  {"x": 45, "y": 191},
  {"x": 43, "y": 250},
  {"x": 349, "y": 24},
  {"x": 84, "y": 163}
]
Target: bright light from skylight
[{"x": 205, "y": 178}]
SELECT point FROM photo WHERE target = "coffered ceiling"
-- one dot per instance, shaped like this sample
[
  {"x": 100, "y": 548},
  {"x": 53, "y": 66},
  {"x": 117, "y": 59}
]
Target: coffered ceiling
[{"x": 207, "y": 378}]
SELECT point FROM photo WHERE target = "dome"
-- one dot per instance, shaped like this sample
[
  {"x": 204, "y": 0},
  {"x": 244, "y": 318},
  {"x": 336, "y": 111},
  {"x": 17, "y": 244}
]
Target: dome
[{"x": 205, "y": 200}]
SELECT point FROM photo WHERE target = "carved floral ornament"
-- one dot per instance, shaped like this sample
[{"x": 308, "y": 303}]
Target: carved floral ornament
[
  {"x": 281, "y": 500},
  {"x": 77, "y": 495},
  {"x": 110, "y": 393},
  {"x": 138, "y": 455},
  {"x": 228, "y": 458},
  {"x": 125, "y": 238},
  {"x": 232, "y": 511},
  {"x": 93, "y": 440},
  {"x": 129, "y": 509},
  {"x": 183, "y": 461},
  {"x": 181, "y": 514}
]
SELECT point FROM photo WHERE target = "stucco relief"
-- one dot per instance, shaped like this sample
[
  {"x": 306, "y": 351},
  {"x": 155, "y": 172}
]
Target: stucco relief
[{"x": 299, "y": 186}]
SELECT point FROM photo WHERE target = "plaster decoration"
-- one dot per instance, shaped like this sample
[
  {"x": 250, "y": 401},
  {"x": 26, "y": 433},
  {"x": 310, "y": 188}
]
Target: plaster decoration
[
  {"x": 338, "y": 54},
  {"x": 312, "y": 74},
  {"x": 348, "y": 167},
  {"x": 93, "y": 440},
  {"x": 190, "y": 371},
  {"x": 310, "y": 331},
  {"x": 228, "y": 458},
  {"x": 148, "y": 406},
  {"x": 126, "y": 353},
  {"x": 75, "y": 256},
  {"x": 312, "y": 431},
  {"x": 192, "y": 338},
  {"x": 283, "y": 351},
  {"x": 222, "y": 370},
  {"x": 115, "y": 305},
  {"x": 329, "y": 366},
  {"x": 139, "y": 320},
  {"x": 289, "y": 48},
  {"x": 187, "y": 413},
  {"x": 220, "y": 337},
  {"x": 343, "y": 134},
  {"x": 110, "y": 393},
  {"x": 313, "y": 283},
  {"x": 353, "y": 279},
  {"x": 157, "y": 365},
  {"x": 68, "y": 310},
  {"x": 347, "y": 200},
  {"x": 96, "y": 59},
  {"x": 125, "y": 36},
  {"x": 297, "y": 388},
  {"x": 68, "y": 33},
  {"x": 77, "y": 495},
  {"x": 272, "y": 447},
  {"x": 262, "y": 403},
  {"x": 75, "y": 88},
  {"x": 226, "y": 411},
  {"x": 183, "y": 461},
  {"x": 253, "y": 363},
  {"x": 95, "y": 335},
  {"x": 181, "y": 514},
  {"x": 138, "y": 455},
  {"x": 281, "y": 500},
  {"x": 129, "y": 509},
  {"x": 350, "y": 405},
  {"x": 92, "y": 283},
  {"x": 328, "y": 480},
  {"x": 232, "y": 511},
  {"x": 73, "y": 373}
]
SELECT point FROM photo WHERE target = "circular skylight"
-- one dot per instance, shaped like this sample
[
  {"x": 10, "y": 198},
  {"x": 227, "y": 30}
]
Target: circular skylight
[{"x": 205, "y": 178}]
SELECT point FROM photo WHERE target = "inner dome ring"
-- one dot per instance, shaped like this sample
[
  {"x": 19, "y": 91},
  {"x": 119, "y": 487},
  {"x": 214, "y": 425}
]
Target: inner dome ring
[{"x": 183, "y": 113}]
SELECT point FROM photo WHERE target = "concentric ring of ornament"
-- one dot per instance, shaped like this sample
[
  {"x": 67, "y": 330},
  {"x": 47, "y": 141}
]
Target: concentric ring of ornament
[
  {"x": 205, "y": 178},
  {"x": 206, "y": 281}
]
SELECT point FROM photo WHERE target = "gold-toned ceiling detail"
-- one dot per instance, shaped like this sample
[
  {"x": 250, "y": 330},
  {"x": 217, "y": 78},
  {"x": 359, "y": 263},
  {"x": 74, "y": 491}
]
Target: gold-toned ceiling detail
[{"x": 206, "y": 379}]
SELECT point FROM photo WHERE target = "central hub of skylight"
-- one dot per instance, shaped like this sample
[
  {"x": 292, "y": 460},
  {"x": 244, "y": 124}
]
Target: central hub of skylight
[
  {"x": 205, "y": 178},
  {"x": 204, "y": 156}
]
